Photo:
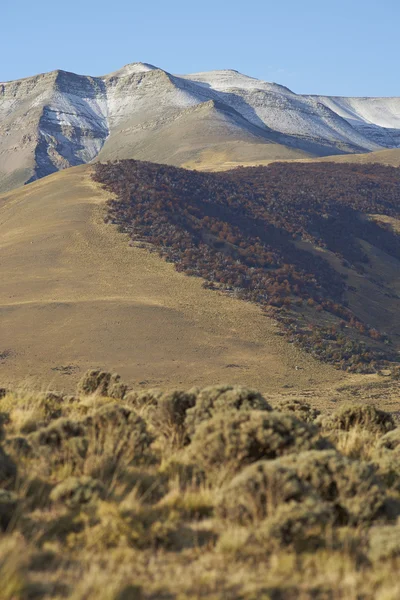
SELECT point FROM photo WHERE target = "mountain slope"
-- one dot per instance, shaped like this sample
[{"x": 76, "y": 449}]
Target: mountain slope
[
  {"x": 78, "y": 297},
  {"x": 382, "y": 157},
  {"x": 57, "y": 120},
  {"x": 48, "y": 123},
  {"x": 316, "y": 246}
]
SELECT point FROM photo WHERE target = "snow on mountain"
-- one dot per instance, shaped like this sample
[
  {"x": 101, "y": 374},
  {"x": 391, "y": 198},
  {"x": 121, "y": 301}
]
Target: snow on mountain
[
  {"x": 280, "y": 109},
  {"x": 73, "y": 125},
  {"x": 59, "y": 119},
  {"x": 377, "y": 119}
]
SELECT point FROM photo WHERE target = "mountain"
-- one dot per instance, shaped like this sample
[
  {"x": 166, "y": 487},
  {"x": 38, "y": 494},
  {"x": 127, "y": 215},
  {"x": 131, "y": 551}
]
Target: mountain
[{"x": 205, "y": 120}]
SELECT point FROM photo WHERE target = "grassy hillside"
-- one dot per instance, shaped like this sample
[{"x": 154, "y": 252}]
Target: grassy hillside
[
  {"x": 224, "y": 159},
  {"x": 218, "y": 492},
  {"x": 310, "y": 244},
  {"x": 77, "y": 296},
  {"x": 383, "y": 157}
]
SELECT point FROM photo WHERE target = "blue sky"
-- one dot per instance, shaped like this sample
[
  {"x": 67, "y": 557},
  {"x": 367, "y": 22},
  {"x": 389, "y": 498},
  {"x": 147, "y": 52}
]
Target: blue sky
[{"x": 340, "y": 47}]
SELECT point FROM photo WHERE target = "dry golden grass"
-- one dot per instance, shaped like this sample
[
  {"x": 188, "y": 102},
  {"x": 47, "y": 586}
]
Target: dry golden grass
[
  {"x": 154, "y": 524},
  {"x": 226, "y": 158}
]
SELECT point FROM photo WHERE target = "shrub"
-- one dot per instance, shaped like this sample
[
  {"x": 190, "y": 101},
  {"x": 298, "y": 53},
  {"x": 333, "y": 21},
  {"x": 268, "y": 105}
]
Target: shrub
[
  {"x": 302, "y": 525},
  {"x": 57, "y": 433},
  {"x": 143, "y": 398},
  {"x": 384, "y": 543},
  {"x": 167, "y": 415},
  {"x": 121, "y": 425},
  {"x": 8, "y": 507},
  {"x": 4, "y": 419},
  {"x": 18, "y": 446},
  {"x": 387, "y": 463},
  {"x": 235, "y": 439},
  {"x": 101, "y": 383},
  {"x": 8, "y": 469},
  {"x": 117, "y": 390},
  {"x": 117, "y": 436},
  {"x": 386, "y": 458},
  {"x": 183, "y": 474},
  {"x": 359, "y": 415},
  {"x": 77, "y": 491},
  {"x": 259, "y": 489},
  {"x": 350, "y": 486},
  {"x": 390, "y": 441},
  {"x": 302, "y": 410},
  {"x": 222, "y": 398}
]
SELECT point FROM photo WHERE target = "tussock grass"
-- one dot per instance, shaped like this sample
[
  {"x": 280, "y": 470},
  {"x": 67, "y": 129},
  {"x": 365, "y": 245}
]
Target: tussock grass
[{"x": 195, "y": 494}]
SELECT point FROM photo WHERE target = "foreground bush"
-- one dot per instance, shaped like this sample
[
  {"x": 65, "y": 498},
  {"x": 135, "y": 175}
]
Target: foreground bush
[
  {"x": 365, "y": 416},
  {"x": 259, "y": 490},
  {"x": 353, "y": 489},
  {"x": 203, "y": 493},
  {"x": 233, "y": 440},
  {"x": 215, "y": 399}
]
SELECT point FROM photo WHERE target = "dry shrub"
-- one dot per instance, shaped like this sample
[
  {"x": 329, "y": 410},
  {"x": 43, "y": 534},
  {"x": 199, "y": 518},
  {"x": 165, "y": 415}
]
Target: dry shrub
[
  {"x": 258, "y": 490},
  {"x": 183, "y": 474},
  {"x": 302, "y": 410},
  {"x": 191, "y": 503},
  {"x": 134, "y": 485},
  {"x": 358, "y": 443},
  {"x": 77, "y": 491},
  {"x": 141, "y": 399},
  {"x": 96, "y": 582},
  {"x": 101, "y": 383},
  {"x": 175, "y": 415},
  {"x": 365, "y": 416},
  {"x": 351, "y": 486},
  {"x": 117, "y": 389},
  {"x": 57, "y": 433},
  {"x": 4, "y": 419},
  {"x": 387, "y": 463},
  {"x": 63, "y": 442},
  {"x": 112, "y": 436},
  {"x": 8, "y": 470},
  {"x": 118, "y": 432},
  {"x": 14, "y": 555},
  {"x": 302, "y": 525},
  {"x": 390, "y": 441},
  {"x": 232, "y": 440},
  {"x": 110, "y": 525},
  {"x": 8, "y": 507},
  {"x": 18, "y": 447},
  {"x": 27, "y": 411},
  {"x": 384, "y": 542},
  {"x": 386, "y": 458},
  {"x": 222, "y": 398},
  {"x": 167, "y": 416}
]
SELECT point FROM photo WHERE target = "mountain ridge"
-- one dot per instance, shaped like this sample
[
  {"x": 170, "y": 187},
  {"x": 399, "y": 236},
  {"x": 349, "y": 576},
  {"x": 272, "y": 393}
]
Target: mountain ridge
[{"x": 55, "y": 120}]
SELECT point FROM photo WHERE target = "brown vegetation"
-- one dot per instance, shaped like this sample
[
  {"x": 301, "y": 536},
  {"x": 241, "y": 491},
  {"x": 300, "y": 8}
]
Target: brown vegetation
[{"x": 240, "y": 232}]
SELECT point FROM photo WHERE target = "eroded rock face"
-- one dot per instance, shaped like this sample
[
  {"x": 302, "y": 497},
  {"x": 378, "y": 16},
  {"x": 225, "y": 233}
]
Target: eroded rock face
[
  {"x": 56, "y": 120},
  {"x": 50, "y": 122}
]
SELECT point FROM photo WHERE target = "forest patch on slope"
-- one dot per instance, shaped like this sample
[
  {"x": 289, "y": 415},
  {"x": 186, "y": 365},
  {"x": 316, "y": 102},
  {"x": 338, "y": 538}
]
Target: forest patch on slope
[{"x": 290, "y": 237}]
